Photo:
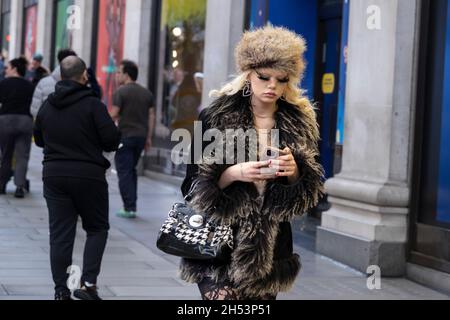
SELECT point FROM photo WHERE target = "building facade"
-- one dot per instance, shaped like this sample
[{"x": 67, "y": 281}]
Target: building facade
[{"x": 377, "y": 70}]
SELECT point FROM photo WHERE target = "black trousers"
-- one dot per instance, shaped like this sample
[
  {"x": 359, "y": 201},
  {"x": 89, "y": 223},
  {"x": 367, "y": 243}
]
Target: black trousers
[
  {"x": 67, "y": 198},
  {"x": 127, "y": 158}
]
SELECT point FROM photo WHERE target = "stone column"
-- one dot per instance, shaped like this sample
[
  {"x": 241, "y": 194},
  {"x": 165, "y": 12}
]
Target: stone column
[
  {"x": 368, "y": 222},
  {"x": 16, "y": 27},
  {"x": 224, "y": 28}
]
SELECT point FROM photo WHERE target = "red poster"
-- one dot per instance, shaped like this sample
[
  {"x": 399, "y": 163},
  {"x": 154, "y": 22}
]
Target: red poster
[
  {"x": 111, "y": 32},
  {"x": 30, "y": 32}
]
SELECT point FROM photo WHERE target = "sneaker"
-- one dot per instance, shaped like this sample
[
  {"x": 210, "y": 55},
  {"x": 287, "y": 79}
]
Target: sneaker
[
  {"x": 63, "y": 296},
  {"x": 126, "y": 214},
  {"x": 20, "y": 193},
  {"x": 87, "y": 293}
]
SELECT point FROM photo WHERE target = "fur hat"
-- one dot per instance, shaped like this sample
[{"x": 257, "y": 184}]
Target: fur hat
[{"x": 272, "y": 47}]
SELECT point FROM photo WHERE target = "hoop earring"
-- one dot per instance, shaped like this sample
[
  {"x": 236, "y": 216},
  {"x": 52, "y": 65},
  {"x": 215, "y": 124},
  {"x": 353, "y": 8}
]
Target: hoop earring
[{"x": 247, "y": 90}]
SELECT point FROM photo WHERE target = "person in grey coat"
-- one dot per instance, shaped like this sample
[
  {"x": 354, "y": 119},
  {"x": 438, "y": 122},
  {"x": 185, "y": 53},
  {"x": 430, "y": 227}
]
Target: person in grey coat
[{"x": 47, "y": 85}]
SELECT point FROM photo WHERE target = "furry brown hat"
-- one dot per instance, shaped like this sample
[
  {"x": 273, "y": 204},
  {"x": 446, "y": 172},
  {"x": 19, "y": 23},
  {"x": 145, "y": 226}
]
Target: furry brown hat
[{"x": 272, "y": 47}]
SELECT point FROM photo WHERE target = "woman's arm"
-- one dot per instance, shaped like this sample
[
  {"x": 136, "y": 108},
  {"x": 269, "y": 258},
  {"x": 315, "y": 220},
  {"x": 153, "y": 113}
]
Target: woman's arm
[
  {"x": 297, "y": 195},
  {"x": 228, "y": 177},
  {"x": 244, "y": 172},
  {"x": 287, "y": 166}
]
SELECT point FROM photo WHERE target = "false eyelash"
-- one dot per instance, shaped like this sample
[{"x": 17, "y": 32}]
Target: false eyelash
[{"x": 267, "y": 79}]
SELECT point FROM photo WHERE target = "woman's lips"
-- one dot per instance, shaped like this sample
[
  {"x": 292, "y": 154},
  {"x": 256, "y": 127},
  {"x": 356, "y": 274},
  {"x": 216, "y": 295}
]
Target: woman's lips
[{"x": 273, "y": 95}]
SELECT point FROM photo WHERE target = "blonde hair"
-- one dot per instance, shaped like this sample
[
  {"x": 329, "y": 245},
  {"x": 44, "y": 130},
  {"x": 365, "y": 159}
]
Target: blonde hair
[
  {"x": 232, "y": 87},
  {"x": 293, "y": 94}
]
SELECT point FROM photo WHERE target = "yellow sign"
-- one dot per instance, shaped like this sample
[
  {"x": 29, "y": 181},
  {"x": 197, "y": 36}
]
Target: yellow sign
[{"x": 328, "y": 83}]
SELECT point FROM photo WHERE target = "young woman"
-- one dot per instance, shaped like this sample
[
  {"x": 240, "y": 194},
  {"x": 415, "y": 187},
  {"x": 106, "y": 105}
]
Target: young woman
[
  {"x": 257, "y": 202},
  {"x": 16, "y": 126}
]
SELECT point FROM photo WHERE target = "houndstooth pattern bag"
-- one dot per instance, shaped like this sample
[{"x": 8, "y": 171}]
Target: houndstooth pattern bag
[{"x": 188, "y": 234}]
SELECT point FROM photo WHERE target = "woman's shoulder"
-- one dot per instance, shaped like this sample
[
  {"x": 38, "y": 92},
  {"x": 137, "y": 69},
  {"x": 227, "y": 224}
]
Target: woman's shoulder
[
  {"x": 301, "y": 119},
  {"x": 298, "y": 112}
]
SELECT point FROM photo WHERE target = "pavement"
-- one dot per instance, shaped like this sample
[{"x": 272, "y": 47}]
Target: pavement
[{"x": 134, "y": 269}]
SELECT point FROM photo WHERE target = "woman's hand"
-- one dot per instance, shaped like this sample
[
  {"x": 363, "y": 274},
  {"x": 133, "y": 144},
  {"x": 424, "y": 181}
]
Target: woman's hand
[
  {"x": 286, "y": 166},
  {"x": 251, "y": 171},
  {"x": 245, "y": 172}
]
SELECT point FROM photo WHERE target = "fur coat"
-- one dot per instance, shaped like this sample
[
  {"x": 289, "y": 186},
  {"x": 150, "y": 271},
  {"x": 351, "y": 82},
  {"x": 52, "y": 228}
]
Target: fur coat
[{"x": 262, "y": 261}]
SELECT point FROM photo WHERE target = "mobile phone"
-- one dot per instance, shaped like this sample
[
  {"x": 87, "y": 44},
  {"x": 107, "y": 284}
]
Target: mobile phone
[{"x": 270, "y": 153}]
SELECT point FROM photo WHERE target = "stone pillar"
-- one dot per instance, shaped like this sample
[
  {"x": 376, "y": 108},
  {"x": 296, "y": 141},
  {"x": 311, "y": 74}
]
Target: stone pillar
[
  {"x": 44, "y": 30},
  {"x": 224, "y": 28},
  {"x": 16, "y": 27},
  {"x": 368, "y": 222}
]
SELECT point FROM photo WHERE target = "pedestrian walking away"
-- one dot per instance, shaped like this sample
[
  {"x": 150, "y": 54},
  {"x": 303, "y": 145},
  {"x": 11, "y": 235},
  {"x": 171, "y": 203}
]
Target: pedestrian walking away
[
  {"x": 133, "y": 110},
  {"x": 74, "y": 128},
  {"x": 16, "y": 126},
  {"x": 257, "y": 198}
]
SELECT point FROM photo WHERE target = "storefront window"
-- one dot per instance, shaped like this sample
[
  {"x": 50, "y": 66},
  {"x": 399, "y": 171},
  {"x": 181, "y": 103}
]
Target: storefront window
[
  {"x": 63, "y": 36},
  {"x": 6, "y": 19},
  {"x": 435, "y": 181},
  {"x": 182, "y": 37},
  {"x": 258, "y": 10},
  {"x": 443, "y": 196},
  {"x": 30, "y": 28},
  {"x": 111, "y": 32},
  {"x": 430, "y": 227}
]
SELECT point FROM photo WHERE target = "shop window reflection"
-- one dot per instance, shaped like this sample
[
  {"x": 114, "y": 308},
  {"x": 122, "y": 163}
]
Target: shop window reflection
[
  {"x": 181, "y": 61},
  {"x": 184, "y": 59}
]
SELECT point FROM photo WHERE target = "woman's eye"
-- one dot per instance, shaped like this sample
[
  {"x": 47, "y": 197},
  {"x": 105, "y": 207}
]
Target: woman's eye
[
  {"x": 263, "y": 78},
  {"x": 283, "y": 80}
]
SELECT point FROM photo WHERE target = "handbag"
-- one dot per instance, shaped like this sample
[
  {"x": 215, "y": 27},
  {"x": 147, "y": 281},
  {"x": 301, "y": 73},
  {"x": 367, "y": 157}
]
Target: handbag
[{"x": 192, "y": 235}]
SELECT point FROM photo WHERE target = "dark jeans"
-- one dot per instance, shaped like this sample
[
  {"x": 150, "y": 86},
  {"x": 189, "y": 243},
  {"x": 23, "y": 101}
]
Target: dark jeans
[
  {"x": 15, "y": 139},
  {"x": 127, "y": 158},
  {"x": 67, "y": 198}
]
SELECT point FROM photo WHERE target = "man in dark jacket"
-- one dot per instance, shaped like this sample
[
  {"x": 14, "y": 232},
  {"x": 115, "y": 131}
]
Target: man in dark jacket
[{"x": 74, "y": 128}]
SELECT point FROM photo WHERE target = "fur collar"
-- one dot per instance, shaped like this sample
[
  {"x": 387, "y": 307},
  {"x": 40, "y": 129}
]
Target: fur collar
[{"x": 298, "y": 131}]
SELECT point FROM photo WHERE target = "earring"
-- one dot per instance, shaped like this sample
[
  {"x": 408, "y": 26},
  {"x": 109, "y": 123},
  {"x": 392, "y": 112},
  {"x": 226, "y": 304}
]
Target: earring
[
  {"x": 247, "y": 90},
  {"x": 283, "y": 98}
]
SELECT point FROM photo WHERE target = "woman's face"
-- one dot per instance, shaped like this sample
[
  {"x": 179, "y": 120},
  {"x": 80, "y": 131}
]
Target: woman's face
[{"x": 268, "y": 85}]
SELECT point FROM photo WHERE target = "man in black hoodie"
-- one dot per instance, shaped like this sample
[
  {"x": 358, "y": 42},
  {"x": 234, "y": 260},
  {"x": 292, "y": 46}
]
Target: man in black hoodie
[{"x": 74, "y": 128}]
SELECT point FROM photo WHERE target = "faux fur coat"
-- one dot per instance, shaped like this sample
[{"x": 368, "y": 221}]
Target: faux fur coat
[{"x": 262, "y": 261}]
